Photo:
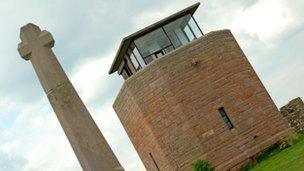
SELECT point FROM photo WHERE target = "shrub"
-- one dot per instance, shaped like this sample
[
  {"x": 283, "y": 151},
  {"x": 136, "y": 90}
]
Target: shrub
[
  {"x": 283, "y": 144},
  {"x": 201, "y": 165},
  {"x": 287, "y": 142}
]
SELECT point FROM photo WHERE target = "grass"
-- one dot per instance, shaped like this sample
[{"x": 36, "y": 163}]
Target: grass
[{"x": 290, "y": 159}]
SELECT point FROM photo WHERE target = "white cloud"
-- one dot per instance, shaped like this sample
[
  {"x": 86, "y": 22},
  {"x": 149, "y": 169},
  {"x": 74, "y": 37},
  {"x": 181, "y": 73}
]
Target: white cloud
[
  {"x": 90, "y": 76},
  {"x": 148, "y": 17},
  {"x": 37, "y": 136},
  {"x": 35, "y": 139},
  {"x": 9, "y": 146},
  {"x": 51, "y": 153},
  {"x": 10, "y": 162},
  {"x": 117, "y": 138},
  {"x": 286, "y": 83},
  {"x": 266, "y": 19},
  {"x": 5, "y": 106}
]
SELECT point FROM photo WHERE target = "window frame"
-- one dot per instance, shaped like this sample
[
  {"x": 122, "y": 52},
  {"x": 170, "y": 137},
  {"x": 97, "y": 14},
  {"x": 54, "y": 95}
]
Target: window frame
[
  {"x": 143, "y": 59},
  {"x": 225, "y": 118}
]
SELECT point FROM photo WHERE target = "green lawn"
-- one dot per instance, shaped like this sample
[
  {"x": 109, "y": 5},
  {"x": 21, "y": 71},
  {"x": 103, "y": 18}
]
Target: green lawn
[{"x": 290, "y": 159}]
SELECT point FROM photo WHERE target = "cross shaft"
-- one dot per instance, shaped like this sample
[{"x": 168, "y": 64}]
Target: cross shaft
[{"x": 89, "y": 145}]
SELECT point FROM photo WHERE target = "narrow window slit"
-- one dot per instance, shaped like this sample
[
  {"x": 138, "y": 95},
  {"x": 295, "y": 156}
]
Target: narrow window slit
[
  {"x": 150, "y": 154},
  {"x": 225, "y": 118}
]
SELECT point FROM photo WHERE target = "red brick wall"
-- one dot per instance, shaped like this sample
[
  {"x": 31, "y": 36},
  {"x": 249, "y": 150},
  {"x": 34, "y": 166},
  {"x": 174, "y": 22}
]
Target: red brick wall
[{"x": 170, "y": 107}]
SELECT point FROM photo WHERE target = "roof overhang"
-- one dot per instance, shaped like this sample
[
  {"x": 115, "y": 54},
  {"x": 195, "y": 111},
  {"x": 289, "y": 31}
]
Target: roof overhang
[{"x": 123, "y": 47}]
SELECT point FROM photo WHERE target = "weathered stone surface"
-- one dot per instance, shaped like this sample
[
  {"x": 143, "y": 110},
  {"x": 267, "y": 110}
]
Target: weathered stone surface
[
  {"x": 89, "y": 145},
  {"x": 170, "y": 108},
  {"x": 294, "y": 113},
  {"x": 36, "y": 47}
]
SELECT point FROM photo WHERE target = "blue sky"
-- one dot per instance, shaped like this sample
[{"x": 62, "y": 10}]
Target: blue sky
[{"x": 87, "y": 35}]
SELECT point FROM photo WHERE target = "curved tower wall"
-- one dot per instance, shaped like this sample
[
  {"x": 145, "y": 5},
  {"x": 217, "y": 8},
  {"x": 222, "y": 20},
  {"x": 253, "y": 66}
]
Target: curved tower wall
[{"x": 170, "y": 108}]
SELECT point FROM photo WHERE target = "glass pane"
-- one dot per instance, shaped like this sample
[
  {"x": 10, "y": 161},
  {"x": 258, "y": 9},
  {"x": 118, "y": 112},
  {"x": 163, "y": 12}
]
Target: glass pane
[
  {"x": 195, "y": 28},
  {"x": 175, "y": 31},
  {"x": 138, "y": 56},
  {"x": 189, "y": 34},
  {"x": 182, "y": 36},
  {"x": 168, "y": 49},
  {"x": 133, "y": 58},
  {"x": 127, "y": 70},
  {"x": 225, "y": 117},
  {"x": 159, "y": 54},
  {"x": 152, "y": 42},
  {"x": 150, "y": 58},
  {"x": 174, "y": 38},
  {"x": 135, "y": 63}
]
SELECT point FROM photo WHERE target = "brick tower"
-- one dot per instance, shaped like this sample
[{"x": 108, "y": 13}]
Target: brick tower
[{"x": 189, "y": 96}]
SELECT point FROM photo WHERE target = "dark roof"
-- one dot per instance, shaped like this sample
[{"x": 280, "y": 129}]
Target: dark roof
[{"x": 127, "y": 40}]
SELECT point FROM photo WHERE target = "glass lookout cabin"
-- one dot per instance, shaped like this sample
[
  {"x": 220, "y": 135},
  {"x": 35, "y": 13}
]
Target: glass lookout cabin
[{"x": 142, "y": 47}]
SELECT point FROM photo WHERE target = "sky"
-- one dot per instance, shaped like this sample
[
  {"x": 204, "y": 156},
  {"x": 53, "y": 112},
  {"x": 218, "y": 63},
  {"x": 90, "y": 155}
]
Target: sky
[{"x": 87, "y": 35}]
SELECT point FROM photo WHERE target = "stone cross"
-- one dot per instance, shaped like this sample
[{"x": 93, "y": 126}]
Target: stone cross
[{"x": 89, "y": 145}]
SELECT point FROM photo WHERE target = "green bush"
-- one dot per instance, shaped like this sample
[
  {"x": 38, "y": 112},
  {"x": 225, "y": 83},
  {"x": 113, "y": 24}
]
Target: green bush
[
  {"x": 283, "y": 144},
  {"x": 288, "y": 142},
  {"x": 201, "y": 165}
]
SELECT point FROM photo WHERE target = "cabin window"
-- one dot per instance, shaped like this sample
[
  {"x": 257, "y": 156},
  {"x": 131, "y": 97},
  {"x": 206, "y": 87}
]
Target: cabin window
[
  {"x": 127, "y": 69},
  {"x": 225, "y": 118},
  {"x": 134, "y": 60},
  {"x": 195, "y": 28},
  {"x": 189, "y": 33},
  {"x": 134, "y": 53},
  {"x": 153, "y": 44},
  {"x": 157, "y": 42},
  {"x": 182, "y": 30}
]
